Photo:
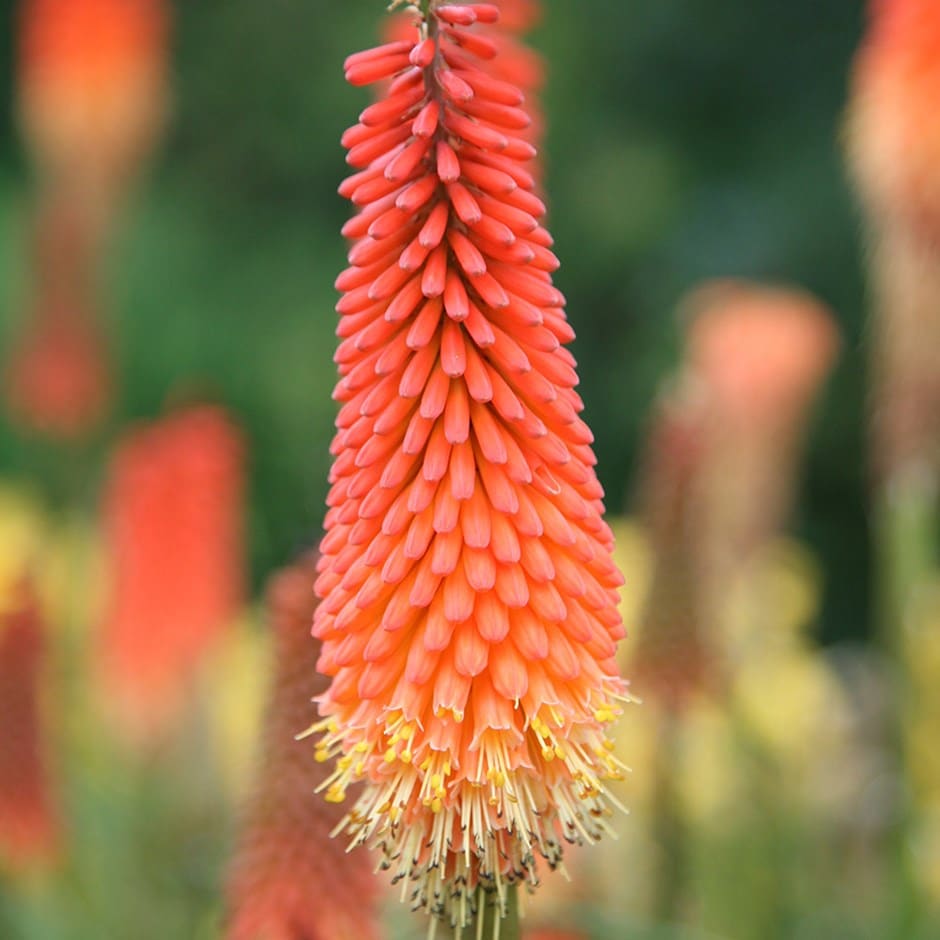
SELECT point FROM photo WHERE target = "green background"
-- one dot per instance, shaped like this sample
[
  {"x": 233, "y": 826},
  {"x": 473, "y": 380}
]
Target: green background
[{"x": 687, "y": 139}]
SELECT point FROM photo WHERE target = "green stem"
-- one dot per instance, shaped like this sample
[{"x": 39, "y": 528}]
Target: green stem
[
  {"x": 905, "y": 533},
  {"x": 489, "y": 924},
  {"x": 669, "y": 827}
]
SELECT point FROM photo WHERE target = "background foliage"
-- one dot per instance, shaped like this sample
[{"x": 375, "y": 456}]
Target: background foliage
[{"x": 687, "y": 140}]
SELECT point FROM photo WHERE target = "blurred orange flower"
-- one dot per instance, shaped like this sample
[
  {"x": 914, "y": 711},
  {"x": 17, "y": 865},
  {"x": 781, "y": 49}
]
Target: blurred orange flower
[
  {"x": 92, "y": 84},
  {"x": 893, "y": 147},
  {"x": 756, "y": 358},
  {"x": 894, "y": 125},
  {"x": 720, "y": 469},
  {"x": 173, "y": 517}
]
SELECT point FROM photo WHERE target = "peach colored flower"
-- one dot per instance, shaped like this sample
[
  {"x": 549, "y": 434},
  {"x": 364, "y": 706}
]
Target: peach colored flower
[
  {"x": 469, "y": 617},
  {"x": 756, "y": 358},
  {"x": 173, "y": 515},
  {"x": 289, "y": 881},
  {"x": 760, "y": 352},
  {"x": 721, "y": 467},
  {"x": 893, "y": 124},
  {"x": 29, "y": 826}
]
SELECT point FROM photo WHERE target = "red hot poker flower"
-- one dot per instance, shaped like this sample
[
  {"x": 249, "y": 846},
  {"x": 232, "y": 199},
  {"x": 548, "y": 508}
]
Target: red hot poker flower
[
  {"x": 469, "y": 616},
  {"x": 173, "y": 522},
  {"x": 29, "y": 831},
  {"x": 288, "y": 881}
]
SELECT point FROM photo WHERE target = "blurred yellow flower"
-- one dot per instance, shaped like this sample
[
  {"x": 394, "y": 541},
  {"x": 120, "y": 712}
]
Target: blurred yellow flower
[
  {"x": 788, "y": 699},
  {"x": 22, "y": 537},
  {"x": 633, "y": 557},
  {"x": 773, "y": 600},
  {"x": 234, "y": 708}
]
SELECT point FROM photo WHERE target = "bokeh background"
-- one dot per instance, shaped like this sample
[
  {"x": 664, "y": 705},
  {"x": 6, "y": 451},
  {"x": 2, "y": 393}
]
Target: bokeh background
[{"x": 686, "y": 140}]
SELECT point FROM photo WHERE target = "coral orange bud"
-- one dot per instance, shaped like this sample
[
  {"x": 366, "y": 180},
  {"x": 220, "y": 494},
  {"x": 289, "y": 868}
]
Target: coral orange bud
[
  {"x": 469, "y": 616},
  {"x": 514, "y": 71},
  {"x": 29, "y": 830},
  {"x": 173, "y": 519},
  {"x": 289, "y": 880}
]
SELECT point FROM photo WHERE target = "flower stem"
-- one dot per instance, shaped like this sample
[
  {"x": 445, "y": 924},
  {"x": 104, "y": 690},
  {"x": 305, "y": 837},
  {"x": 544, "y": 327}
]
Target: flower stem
[
  {"x": 669, "y": 825},
  {"x": 905, "y": 528},
  {"x": 490, "y": 922}
]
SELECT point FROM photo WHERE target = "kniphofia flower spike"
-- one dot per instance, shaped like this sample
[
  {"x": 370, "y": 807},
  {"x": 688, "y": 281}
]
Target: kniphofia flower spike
[
  {"x": 288, "y": 881},
  {"x": 173, "y": 519},
  {"x": 469, "y": 617}
]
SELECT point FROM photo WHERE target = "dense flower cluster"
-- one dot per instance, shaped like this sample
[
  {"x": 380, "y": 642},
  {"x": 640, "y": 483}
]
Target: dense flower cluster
[{"x": 469, "y": 616}]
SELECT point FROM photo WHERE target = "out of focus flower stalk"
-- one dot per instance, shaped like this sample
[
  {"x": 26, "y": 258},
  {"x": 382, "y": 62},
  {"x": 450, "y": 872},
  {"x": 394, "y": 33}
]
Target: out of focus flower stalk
[
  {"x": 756, "y": 357},
  {"x": 58, "y": 380},
  {"x": 893, "y": 147},
  {"x": 173, "y": 518},
  {"x": 92, "y": 90},
  {"x": 289, "y": 879},
  {"x": 717, "y": 486},
  {"x": 469, "y": 615},
  {"x": 29, "y": 826}
]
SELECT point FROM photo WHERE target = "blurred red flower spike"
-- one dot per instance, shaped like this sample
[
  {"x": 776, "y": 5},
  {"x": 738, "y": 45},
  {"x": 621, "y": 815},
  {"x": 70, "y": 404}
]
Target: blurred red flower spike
[
  {"x": 29, "y": 826},
  {"x": 289, "y": 880},
  {"x": 173, "y": 518},
  {"x": 58, "y": 381},
  {"x": 58, "y": 377}
]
